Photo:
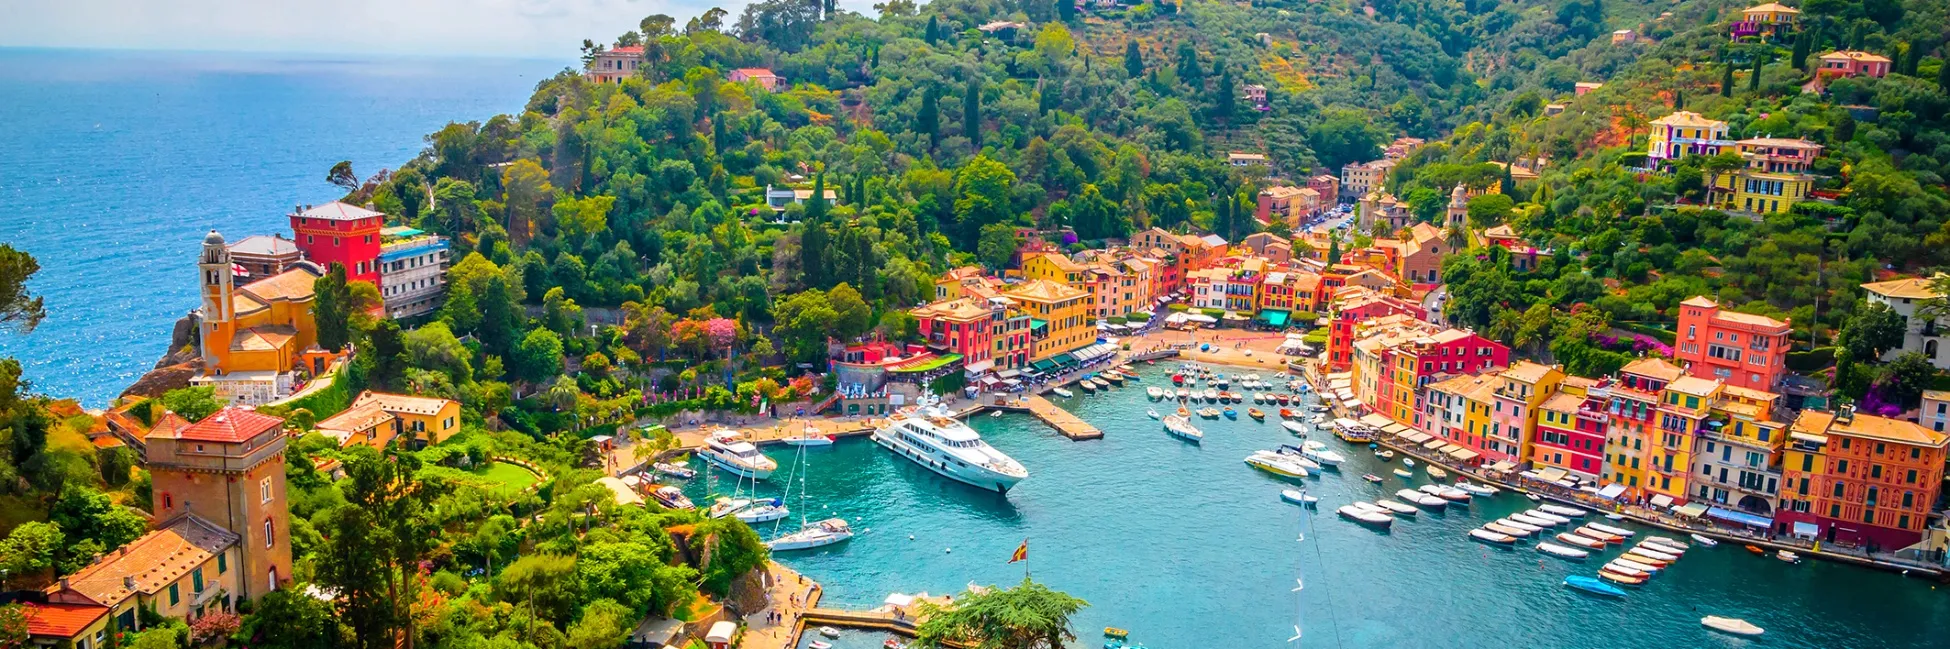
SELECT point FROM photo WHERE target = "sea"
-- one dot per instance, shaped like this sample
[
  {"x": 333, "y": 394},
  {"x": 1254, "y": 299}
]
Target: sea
[
  {"x": 1185, "y": 546},
  {"x": 114, "y": 164}
]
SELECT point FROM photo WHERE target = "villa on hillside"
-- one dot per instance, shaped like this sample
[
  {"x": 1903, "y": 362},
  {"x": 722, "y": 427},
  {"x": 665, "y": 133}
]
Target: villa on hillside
[
  {"x": 1852, "y": 63},
  {"x": 1767, "y": 22},
  {"x": 1775, "y": 178},
  {"x": 763, "y": 77},
  {"x": 1685, "y": 133},
  {"x": 615, "y": 64}
]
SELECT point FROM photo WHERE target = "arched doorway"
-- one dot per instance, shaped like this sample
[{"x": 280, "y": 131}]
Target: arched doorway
[{"x": 1755, "y": 504}]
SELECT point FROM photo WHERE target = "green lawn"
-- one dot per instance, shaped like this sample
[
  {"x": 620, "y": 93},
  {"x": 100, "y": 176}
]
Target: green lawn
[{"x": 506, "y": 475}]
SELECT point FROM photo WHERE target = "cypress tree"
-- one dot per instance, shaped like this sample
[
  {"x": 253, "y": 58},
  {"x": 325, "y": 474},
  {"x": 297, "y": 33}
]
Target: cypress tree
[
  {"x": 816, "y": 206},
  {"x": 934, "y": 31},
  {"x": 1844, "y": 129},
  {"x": 1801, "y": 47},
  {"x": 1753, "y": 82},
  {"x": 928, "y": 120},
  {"x": 876, "y": 58},
  {"x": 1334, "y": 251},
  {"x": 1509, "y": 186},
  {"x": 717, "y": 135},
  {"x": 971, "y": 113},
  {"x": 1133, "y": 60},
  {"x": 1066, "y": 10},
  {"x": 1943, "y": 77},
  {"x": 1678, "y": 101},
  {"x": 1046, "y": 97},
  {"x": 1726, "y": 80},
  {"x": 812, "y": 253},
  {"x": 1223, "y": 97}
]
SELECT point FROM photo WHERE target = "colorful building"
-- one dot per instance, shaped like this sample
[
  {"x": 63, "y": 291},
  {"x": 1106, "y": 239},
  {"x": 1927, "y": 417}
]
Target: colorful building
[
  {"x": 1920, "y": 333},
  {"x": 1513, "y": 422},
  {"x": 1775, "y": 178},
  {"x": 261, "y": 255},
  {"x": 1571, "y": 429},
  {"x": 1059, "y": 317},
  {"x": 412, "y": 271},
  {"x": 337, "y": 233},
  {"x": 1685, "y": 133},
  {"x": 765, "y": 78},
  {"x": 253, "y": 339},
  {"x": 65, "y": 626},
  {"x": 186, "y": 568},
  {"x": 1767, "y": 21},
  {"x": 959, "y": 326},
  {"x": 1358, "y": 179},
  {"x": 376, "y": 419},
  {"x": 1852, "y": 64},
  {"x": 1740, "y": 349},
  {"x": 615, "y": 64},
  {"x": 227, "y": 470},
  {"x": 1633, "y": 421},
  {"x": 1447, "y": 406},
  {"x": 1878, "y": 481},
  {"x": 1352, "y": 307},
  {"x": 1523, "y": 256},
  {"x": 1683, "y": 410},
  {"x": 1738, "y": 456}
]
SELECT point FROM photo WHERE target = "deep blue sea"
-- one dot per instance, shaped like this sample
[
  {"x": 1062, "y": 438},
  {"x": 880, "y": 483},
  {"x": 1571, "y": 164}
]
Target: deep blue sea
[
  {"x": 113, "y": 164},
  {"x": 1188, "y": 547}
]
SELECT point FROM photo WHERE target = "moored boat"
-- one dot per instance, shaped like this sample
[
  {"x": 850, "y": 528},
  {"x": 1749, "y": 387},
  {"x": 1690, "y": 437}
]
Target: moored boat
[
  {"x": 1553, "y": 518},
  {"x": 1398, "y": 509},
  {"x": 1317, "y": 451},
  {"x": 1561, "y": 510},
  {"x": 1654, "y": 551},
  {"x": 928, "y": 437},
  {"x": 1256, "y": 414},
  {"x": 1450, "y": 494},
  {"x": 1707, "y": 541},
  {"x": 1731, "y": 625},
  {"x": 1675, "y": 544},
  {"x": 1385, "y": 454},
  {"x": 1286, "y": 413},
  {"x": 1182, "y": 428},
  {"x": 1294, "y": 427},
  {"x": 1602, "y": 536},
  {"x": 1299, "y": 497},
  {"x": 1490, "y": 536},
  {"x": 1276, "y": 464},
  {"x": 729, "y": 451},
  {"x": 1151, "y": 413},
  {"x": 1635, "y": 555},
  {"x": 1532, "y": 520},
  {"x": 1437, "y": 473},
  {"x": 1370, "y": 477},
  {"x": 1756, "y": 550},
  {"x": 1509, "y": 522},
  {"x": 1404, "y": 474},
  {"x": 1208, "y": 413},
  {"x": 1581, "y": 541},
  {"x": 1063, "y": 392},
  {"x": 1636, "y": 567},
  {"x": 1154, "y": 392},
  {"x": 1088, "y": 386},
  {"x": 678, "y": 471},
  {"x": 1625, "y": 533},
  {"x": 671, "y": 498},
  {"x": 1500, "y": 528},
  {"x": 1365, "y": 516},
  {"x": 1471, "y": 487},
  {"x": 1788, "y": 556},
  {"x": 1593, "y": 586},
  {"x": 1422, "y": 499},
  {"x": 1620, "y": 578},
  {"x": 1562, "y": 552},
  {"x": 822, "y": 533}
]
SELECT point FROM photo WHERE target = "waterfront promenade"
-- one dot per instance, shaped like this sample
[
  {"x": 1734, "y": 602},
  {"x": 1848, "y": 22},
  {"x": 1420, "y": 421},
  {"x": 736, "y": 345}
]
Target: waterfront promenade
[{"x": 1069, "y": 425}]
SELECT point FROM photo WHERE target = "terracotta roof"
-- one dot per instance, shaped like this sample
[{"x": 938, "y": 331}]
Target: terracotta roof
[
  {"x": 1771, "y": 7},
  {"x": 963, "y": 309},
  {"x": 295, "y": 284},
  {"x": 265, "y": 338},
  {"x": 1750, "y": 318},
  {"x": 1695, "y": 386},
  {"x": 1458, "y": 384},
  {"x": 1062, "y": 262},
  {"x": 1690, "y": 119},
  {"x": 232, "y": 424},
  {"x": 1700, "y": 301},
  {"x": 756, "y": 72},
  {"x": 1527, "y": 372},
  {"x": 1043, "y": 290},
  {"x": 151, "y": 562},
  {"x": 354, "y": 420},
  {"x": 1503, "y": 231},
  {"x": 626, "y": 49},
  {"x": 53, "y": 620},
  {"x": 1855, "y": 56},
  {"x": 1888, "y": 430},
  {"x": 1563, "y": 402},
  {"x": 1914, "y": 288},
  {"x": 1485, "y": 391},
  {"x": 1657, "y": 368},
  {"x": 337, "y": 211},
  {"x": 1788, "y": 142}
]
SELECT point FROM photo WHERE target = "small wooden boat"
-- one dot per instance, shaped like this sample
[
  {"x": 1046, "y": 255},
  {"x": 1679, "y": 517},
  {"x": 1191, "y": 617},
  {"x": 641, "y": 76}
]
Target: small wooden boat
[
  {"x": 1471, "y": 487},
  {"x": 1398, "y": 509},
  {"x": 1506, "y": 530},
  {"x": 1756, "y": 550},
  {"x": 1707, "y": 541},
  {"x": 1437, "y": 472},
  {"x": 1151, "y": 413},
  {"x": 1594, "y": 586},
  {"x": 1562, "y": 552},
  {"x": 1256, "y": 414},
  {"x": 1182, "y": 412},
  {"x": 1385, "y": 454},
  {"x": 1404, "y": 474},
  {"x": 1283, "y": 398},
  {"x": 1365, "y": 516},
  {"x": 1114, "y": 632},
  {"x": 1639, "y": 567},
  {"x": 1088, "y": 386},
  {"x": 1602, "y": 536},
  {"x": 1671, "y": 546},
  {"x": 1622, "y": 533},
  {"x": 1788, "y": 556},
  {"x": 1635, "y": 555},
  {"x": 1408, "y": 462},
  {"x": 678, "y": 471},
  {"x": 1731, "y": 625},
  {"x": 1230, "y": 413},
  {"x": 1581, "y": 541},
  {"x": 1422, "y": 499},
  {"x": 1208, "y": 413},
  {"x": 1616, "y": 577},
  {"x": 1531, "y": 520},
  {"x": 1371, "y": 477},
  {"x": 1510, "y": 522},
  {"x": 1488, "y": 536},
  {"x": 1299, "y": 497},
  {"x": 1554, "y": 518},
  {"x": 1657, "y": 551},
  {"x": 1286, "y": 413},
  {"x": 1561, "y": 510},
  {"x": 829, "y": 632}
]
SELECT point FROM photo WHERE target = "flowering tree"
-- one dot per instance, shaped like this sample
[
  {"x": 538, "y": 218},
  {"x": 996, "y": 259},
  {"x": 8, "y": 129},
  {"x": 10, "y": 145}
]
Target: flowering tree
[{"x": 721, "y": 332}]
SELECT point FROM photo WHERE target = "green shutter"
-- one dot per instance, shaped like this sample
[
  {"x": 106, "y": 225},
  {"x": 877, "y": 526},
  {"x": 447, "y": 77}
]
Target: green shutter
[
  {"x": 174, "y": 597},
  {"x": 222, "y": 564}
]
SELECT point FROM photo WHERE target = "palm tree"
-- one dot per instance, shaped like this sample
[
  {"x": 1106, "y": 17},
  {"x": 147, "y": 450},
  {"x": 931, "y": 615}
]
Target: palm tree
[{"x": 564, "y": 393}]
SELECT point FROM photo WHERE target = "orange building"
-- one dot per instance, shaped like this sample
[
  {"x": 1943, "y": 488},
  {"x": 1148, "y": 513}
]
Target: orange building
[
  {"x": 228, "y": 470},
  {"x": 252, "y": 338},
  {"x": 1860, "y": 479},
  {"x": 1739, "y": 349}
]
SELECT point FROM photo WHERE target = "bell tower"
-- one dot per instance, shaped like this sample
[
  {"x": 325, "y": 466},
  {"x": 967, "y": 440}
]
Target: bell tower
[
  {"x": 1458, "y": 207},
  {"x": 219, "y": 284}
]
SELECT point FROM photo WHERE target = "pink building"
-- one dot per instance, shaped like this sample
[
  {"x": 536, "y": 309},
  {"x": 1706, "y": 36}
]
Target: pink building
[
  {"x": 761, "y": 76},
  {"x": 1740, "y": 349},
  {"x": 1852, "y": 64},
  {"x": 1328, "y": 186},
  {"x": 615, "y": 64}
]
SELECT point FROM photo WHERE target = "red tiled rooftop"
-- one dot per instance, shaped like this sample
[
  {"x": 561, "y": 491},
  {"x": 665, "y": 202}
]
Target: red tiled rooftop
[
  {"x": 60, "y": 620},
  {"x": 232, "y": 424}
]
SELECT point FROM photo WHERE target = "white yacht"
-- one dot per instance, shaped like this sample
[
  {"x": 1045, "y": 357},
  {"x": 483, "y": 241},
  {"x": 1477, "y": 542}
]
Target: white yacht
[
  {"x": 728, "y": 450},
  {"x": 826, "y": 532},
  {"x": 932, "y": 439}
]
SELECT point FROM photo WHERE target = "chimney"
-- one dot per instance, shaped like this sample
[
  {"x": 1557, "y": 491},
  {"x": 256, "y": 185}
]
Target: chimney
[
  {"x": 64, "y": 583},
  {"x": 128, "y": 581}
]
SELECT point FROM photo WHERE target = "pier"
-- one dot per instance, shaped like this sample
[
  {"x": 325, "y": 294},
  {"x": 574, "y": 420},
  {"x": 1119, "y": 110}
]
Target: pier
[{"x": 1061, "y": 420}]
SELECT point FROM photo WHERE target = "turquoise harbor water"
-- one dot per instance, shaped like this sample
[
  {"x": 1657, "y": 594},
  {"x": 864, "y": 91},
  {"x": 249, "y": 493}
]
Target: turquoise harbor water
[
  {"x": 1186, "y": 546},
  {"x": 114, "y": 164}
]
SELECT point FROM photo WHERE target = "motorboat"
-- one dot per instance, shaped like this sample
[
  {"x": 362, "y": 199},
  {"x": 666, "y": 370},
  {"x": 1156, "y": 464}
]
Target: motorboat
[
  {"x": 1298, "y": 456},
  {"x": 678, "y": 471},
  {"x": 1287, "y": 413},
  {"x": 1439, "y": 474},
  {"x": 1731, "y": 625},
  {"x": 1593, "y": 585},
  {"x": 1317, "y": 451},
  {"x": 671, "y": 498},
  {"x": 1631, "y": 567},
  {"x": 1506, "y": 530},
  {"x": 1562, "y": 552},
  {"x": 1707, "y": 541},
  {"x": 1560, "y": 510},
  {"x": 822, "y": 533},
  {"x": 1618, "y": 578},
  {"x": 1404, "y": 474},
  {"x": 1178, "y": 378},
  {"x": 1211, "y": 394},
  {"x": 1319, "y": 407},
  {"x": 1256, "y": 414},
  {"x": 1208, "y": 412},
  {"x": 1259, "y": 398},
  {"x": 1422, "y": 499},
  {"x": 1471, "y": 487},
  {"x": 1624, "y": 533},
  {"x": 1634, "y": 555},
  {"x": 1230, "y": 413},
  {"x": 1408, "y": 462},
  {"x": 1553, "y": 518},
  {"x": 1756, "y": 550},
  {"x": 829, "y": 632},
  {"x": 1788, "y": 555},
  {"x": 1182, "y": 428},
  {"x": 1154, "y": 392},
  {"x": 1509, "y": 522},
  {"x": 1299, "y": 497},
  {"x": 811, "y": 436},
  {"x": 1615, "y": 516},
  {"x": 1533, "y": 498},
  {"x": 728, "y": 450},
  {"x": 1365, "y": 516},
  {"x": 929, "y": 437},
  {"x": 1450, "y": 494},
  {"x": 1152, "y": 413},
  {"x": 1492, "y": 537},
  {"x": 1532, "y": 520},
  {"x": 1396, "y": 508},
  {"x": 1182, "y": 412},
  {"x": 1113, "y": 377},
  {"x": 1677, "y": 546},
  {"x": 1384, "y": 454},
  {"x": 1294, "y": 427},
  {"x": 723, "y": 507},
  {"x": 1087, "y": 386},
  {"x": 819, "y": 644},
  {"x": 1277, "y": 464},
  {"x": 1581, "y": 541},
  {"x": 1184, "y": 394},
  {"x": 1370, "y": 477},
  {"x": 1602, "y": 536},
  {"x": 1063, "y": 393}
]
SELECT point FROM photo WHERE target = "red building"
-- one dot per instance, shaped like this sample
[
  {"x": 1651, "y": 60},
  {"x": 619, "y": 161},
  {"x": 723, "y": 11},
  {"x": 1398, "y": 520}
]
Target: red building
[
  {"x": 1740, "y": 349},
  {"x": 961, "y": 326},
  {"x": 1352, "y": 308},
  {"x": 1571, "y": 430},
  {"x": 1412, "y": 362},
  {"x": 337, "y": 233}
]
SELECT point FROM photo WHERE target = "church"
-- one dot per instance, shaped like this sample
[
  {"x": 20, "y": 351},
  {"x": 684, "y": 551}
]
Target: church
[{"x": 256, "y": 340}]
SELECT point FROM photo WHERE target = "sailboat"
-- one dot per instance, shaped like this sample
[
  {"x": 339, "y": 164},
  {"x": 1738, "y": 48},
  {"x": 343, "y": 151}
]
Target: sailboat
[
  {"x": 749, "y": 510},
  {"x": 810, "y": 535}
]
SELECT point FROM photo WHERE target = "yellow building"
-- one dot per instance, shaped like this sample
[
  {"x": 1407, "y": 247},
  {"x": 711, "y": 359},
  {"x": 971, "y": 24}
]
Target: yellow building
[
  {"x": 1634, "y": 420},
  {"x": 1683, "y": 410},
  {"x": 65, "y": 626},
  {"x": 1513, "y": 421},
  {"x": 1776, "y": 176},
  {"x": 1055, "y": 267},
  {"x": 376, "y": 419},
  {"x": 252, "y": 337},
  {"x": 183, "y": 570},
  {"x": 1059, "y": 317},
  {"x": 1685, "y": 133}
]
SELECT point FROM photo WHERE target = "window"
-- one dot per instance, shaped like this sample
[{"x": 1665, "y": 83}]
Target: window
[
  {"x": 270, "y": 535},
  {"x": 223, "y": 563},
  {"x": 264, "y": 489},
  {"x": 174, "y": 595},
  {"x": 196, "y": 580},
  {"x": 1838, "y": 489}
]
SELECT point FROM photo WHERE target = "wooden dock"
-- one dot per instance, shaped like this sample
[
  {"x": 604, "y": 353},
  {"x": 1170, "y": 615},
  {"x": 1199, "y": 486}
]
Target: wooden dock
[{"x": 1061, "y": 420}]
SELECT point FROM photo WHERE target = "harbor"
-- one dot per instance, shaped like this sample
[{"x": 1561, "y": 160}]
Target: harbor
[{"x": 1230, "y": 557}]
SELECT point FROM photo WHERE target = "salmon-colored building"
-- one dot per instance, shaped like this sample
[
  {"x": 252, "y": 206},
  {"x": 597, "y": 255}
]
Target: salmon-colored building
[
  {"x": 1739, "y": 349},
  {"x": 1860, "y": 480},
  {"x": 1852, "y": 64}
]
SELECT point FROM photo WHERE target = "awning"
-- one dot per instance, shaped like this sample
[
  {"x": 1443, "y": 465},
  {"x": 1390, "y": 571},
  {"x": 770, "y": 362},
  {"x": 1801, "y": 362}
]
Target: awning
[
  {"x": 899, "y": 600},
  {"x": 1661, "y": 500},
  {"x": 1043, "y": 365},
  {"x": 1551, "y": 474},
  {"x": 1447, "y": 447},
  {"x": 721, "y": 632},
  {"x": 1691, "y": 510},
  {"x": 1462, "y": 454},
  {"x": 1806, "y": 530},
  {"x": 978, "y": 367},
  {"x": 1063, "y": 359},
  {"x": 1611, "y": 491},
  {"x": 1743, "y": 518},
  {"x": 1376, "y": 420},
  {"x": 1343, "y": 422},
  {"x": 1008, "y": 374},
  {"x": 1503, "y": 466},
  {"x": 1395, "y": 429},
  {"x": 1415, "y": 437},
  {"x": 1433, "y": 444},
  {"x": 1273, "y": 317}
]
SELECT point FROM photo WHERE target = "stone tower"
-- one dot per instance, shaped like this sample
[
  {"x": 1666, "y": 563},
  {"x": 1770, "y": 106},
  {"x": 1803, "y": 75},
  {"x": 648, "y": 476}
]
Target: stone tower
[
  {"x": 1458, "y": 207},
  {"x": 229, "y": 471},
  {"x": 219, "y": 284}
]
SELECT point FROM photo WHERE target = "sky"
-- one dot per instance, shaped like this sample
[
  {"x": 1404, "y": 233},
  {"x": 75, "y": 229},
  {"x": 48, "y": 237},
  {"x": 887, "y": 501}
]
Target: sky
[{"x": 502, "y": 28}]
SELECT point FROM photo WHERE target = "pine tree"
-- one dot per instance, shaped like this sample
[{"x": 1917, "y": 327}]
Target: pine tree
[
  {"x": 1844, "y": 129},
  {"x": 1726, "y": 80},
  {"x": 971, "y": 113},
  {"x": 1224, "y": 98},
  {"x": 1753, "y": 82},
  {"x": 1047, "y": 98},
  {"x": 1133, "y": 60},
  {"x": 934, "y": 31},
  {"x": 1188, "y": 70},
  {"x": 928, "y": 120},
  {"x": 717, "y": 135}
]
